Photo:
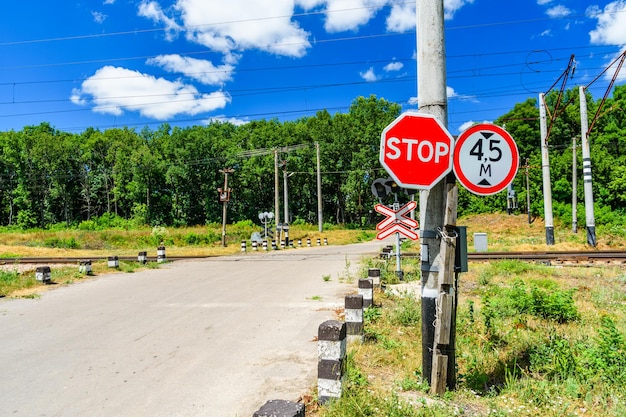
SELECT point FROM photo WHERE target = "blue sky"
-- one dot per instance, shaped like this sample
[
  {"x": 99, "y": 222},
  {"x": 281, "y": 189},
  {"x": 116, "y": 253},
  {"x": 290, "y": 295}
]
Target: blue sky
[{"x": 136, "y": 63}]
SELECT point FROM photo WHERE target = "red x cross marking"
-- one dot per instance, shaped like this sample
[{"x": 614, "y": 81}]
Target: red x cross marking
[{"x": 396, "y": 221}]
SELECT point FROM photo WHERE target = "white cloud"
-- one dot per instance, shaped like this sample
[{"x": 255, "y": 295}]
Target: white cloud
[
  {"x": 309, "y": 4},
  {"x": 471, "y": 123},
  {"x": 558, "y": 11},
  {"x": 113, "y": 90},
  {"x": 244, "y": 24},
  {"x": 198, "y": 69},
  {"x": 98, "y": 17},
  {"x": 346, "y": 15},
  {"x": 401, "y": 18},
  {"x": 611, "y": 24},
  {"x": 224, "y": 119},
  {"x": 543, "y": 2},
  {"x": 450, "y": 7},
  {"x": 466, "y": 125},
  {"x": 109, "y": 2},
  {"x": 393, "y": 66},
  {"x": 369, "y": 75},
  {"x": 610, "y": 30},
  {"x": 455, "y": 96},
  {"x": 152, "y": 10}
]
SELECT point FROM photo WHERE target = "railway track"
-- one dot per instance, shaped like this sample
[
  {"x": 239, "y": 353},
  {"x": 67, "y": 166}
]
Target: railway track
[
  {"x": 551, "y": 257},
  {"x": 556, "y": 257},
  {"x": 73, "y": 260}
]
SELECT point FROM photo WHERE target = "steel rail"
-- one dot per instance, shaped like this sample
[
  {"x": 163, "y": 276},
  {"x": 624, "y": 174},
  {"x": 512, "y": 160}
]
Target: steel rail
[
  {"x": 76, "y": 260},
  {"x": 558, "y": 256}
]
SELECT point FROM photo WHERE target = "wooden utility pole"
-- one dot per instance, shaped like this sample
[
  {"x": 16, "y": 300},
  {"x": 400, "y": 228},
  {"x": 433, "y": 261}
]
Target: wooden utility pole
[
  {"x": 545, "y": 166},
  {"x": 438, "y": 211},
  {"x": 224, "y": 194},
  {"x": 276, "y": 193}
]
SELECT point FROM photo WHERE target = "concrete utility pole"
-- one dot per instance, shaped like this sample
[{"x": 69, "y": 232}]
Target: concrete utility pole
[
  {"x": 438, "y": 211},
  {"x": 545, "y": 166},
  {"x": 528, "y": 191},
  {"x": 286, "y": 175},
  {"x": 574, "y": 189},
  {"x": 320, "y": 221},
  {"x": 584, "y": 136}
]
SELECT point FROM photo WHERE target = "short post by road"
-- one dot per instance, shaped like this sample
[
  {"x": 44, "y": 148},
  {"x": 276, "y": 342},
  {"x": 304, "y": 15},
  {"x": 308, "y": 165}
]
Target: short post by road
[
  {"x": 319, "y": 242},
  {"x": 308, "y": 243},
  {"x": 281, "y": 408},
  {"x": 161, "y": 254},
  {"x": 113, "y": 262},
  {"x": 286, "y": 230},
  {"x": 299, "y": 243},
  {"x": 374, "y": 275},
  {"x": 325, "y": 241},
  {"x": 243, "y": 246},
  {"x": 142, "y": 257},
  {"x": 265, "y": 245},
  {"x": 274, "y": 246},
  {"x": 43, "y": 273},
  {"x": 255, "y": 245},
  {"x": 331, "y": 363},
  {"x": 84, "y": 266},
  {"x": 354, "y": 317},
  {"x": 366, "y": 289}
]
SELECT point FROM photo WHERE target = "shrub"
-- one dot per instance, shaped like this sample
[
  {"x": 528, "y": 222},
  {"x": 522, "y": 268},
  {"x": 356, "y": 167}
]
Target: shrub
[
  {"x": 55, "y": 242},
  {"x": 552, "y": 303}
]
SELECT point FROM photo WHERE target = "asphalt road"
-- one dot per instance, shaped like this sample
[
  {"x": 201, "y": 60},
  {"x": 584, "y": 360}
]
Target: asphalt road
[{"x": 210, "y": 338}]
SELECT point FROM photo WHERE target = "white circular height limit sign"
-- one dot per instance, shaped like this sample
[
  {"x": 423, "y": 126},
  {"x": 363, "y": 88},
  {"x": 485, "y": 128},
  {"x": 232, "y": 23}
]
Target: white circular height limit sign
[{"x": 485, "y": 159}]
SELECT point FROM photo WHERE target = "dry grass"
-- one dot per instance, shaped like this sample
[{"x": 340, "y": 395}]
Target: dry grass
[{"x": 514, "y": 233}]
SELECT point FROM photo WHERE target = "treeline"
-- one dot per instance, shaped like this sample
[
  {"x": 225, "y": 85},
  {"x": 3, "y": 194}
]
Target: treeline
[{"x": 170, "y": 176}]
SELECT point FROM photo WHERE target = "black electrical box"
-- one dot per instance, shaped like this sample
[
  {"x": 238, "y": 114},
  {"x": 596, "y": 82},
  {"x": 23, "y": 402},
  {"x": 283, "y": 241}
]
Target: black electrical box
[{"x": 460, "y": 255}]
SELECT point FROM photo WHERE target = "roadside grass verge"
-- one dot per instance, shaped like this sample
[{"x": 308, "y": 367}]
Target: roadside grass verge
[{"x": 532, "y": 340}]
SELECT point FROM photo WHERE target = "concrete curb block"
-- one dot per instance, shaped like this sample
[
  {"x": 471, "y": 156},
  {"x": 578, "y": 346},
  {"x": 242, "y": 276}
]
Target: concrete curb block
[
  {"x": 354, "y": 317},
  {"x": 332, "y": 360},
  {"x": 280, "y": 408},
  {"x": 374, "y": 274},
  {"x": 366, "y": 289},
  {"x": 161, "y": 254}
]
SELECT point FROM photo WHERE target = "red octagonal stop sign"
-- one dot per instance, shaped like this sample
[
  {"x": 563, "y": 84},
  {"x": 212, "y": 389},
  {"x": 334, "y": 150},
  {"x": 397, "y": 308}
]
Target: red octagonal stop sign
[{"x": 416, "y": 150}]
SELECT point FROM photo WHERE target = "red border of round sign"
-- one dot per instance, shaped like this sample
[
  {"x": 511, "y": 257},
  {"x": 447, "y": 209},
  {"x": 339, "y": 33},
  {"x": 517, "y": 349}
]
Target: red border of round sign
[{"x": 514, "y": 166}]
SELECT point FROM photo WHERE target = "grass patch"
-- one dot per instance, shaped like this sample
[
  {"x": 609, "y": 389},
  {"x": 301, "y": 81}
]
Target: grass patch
[{"x": 532, "y": 340}]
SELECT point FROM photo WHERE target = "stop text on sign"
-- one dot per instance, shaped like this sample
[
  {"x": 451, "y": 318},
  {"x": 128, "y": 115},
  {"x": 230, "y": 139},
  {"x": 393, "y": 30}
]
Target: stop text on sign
[{"x": 424, "y": 149}]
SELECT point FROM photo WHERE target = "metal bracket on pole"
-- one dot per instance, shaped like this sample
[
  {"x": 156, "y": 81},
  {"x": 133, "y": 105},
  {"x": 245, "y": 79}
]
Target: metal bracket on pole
[{"x": 428, "y": 234}]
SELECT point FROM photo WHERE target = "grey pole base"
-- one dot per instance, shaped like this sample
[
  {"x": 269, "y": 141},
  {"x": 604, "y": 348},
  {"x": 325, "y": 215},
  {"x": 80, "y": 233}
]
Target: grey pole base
[
  {"x": 591, "y": 236},
  {"x": 550, "y": 235}
]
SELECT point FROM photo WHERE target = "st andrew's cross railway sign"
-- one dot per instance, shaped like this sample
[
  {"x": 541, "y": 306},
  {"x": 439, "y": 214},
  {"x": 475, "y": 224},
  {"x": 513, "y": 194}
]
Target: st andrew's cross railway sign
[
  {"x": 396, "y": 221},
  {"x": 416, "y": 150}
]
